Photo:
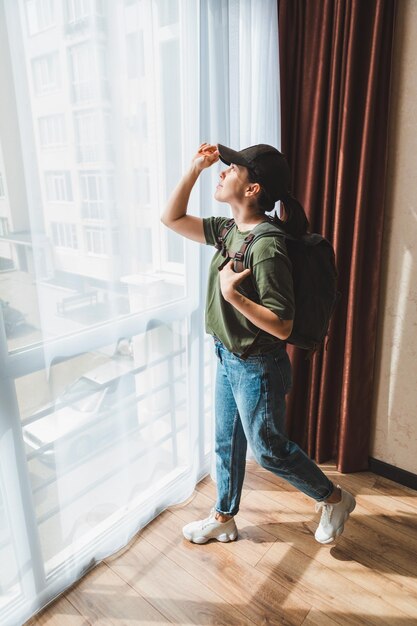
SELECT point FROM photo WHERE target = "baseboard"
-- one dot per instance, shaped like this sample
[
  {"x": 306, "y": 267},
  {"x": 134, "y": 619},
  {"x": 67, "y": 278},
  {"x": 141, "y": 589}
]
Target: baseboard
[{"x": 403, "y": 477}]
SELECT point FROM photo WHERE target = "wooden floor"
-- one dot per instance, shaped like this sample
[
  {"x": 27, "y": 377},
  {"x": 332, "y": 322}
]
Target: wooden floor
[{"x": 274, "y": 574}]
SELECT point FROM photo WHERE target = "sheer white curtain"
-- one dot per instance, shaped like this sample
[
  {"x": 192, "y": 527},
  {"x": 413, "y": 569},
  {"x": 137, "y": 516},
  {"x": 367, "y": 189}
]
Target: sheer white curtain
[
  {"x": 105, "y": 370},
  {"x": 240, "y": 99}
]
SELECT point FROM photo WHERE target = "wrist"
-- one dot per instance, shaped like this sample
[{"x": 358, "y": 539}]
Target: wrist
[
  {"x": 230, "y": 295},
  {"x": 195, "y": 170}
]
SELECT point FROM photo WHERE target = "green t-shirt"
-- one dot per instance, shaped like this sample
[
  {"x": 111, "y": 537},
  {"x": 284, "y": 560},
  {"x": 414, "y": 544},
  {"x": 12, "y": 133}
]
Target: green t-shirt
[{"x": 270, "y": 275}]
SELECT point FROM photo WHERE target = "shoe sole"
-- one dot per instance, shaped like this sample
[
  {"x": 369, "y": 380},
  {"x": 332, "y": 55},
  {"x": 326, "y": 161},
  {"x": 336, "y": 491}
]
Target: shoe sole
[
  {"x": 224, "y": 538},
  {"x": 341, "y": 528}
]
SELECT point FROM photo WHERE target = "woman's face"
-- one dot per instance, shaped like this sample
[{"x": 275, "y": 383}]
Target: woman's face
[{"x": 232, "y": 185}]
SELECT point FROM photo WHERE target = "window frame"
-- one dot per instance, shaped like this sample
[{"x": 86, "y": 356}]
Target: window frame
[
  {"x": 39, "y": 6},
  {"x": 63, "y": 179},
  {"x": 45, "y": 88},
  {"x": 52, "y": 126},
  {"x": 64, "y": 235}
]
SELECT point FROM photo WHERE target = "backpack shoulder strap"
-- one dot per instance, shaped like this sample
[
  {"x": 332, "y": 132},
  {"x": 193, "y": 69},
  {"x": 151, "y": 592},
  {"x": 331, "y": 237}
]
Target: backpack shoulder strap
[
  {"x": 239, "y": 256},
  {"x": 221, "y": 238},
  {"x": 264, "y": 229},
  {"x": 268, "y": 228}
]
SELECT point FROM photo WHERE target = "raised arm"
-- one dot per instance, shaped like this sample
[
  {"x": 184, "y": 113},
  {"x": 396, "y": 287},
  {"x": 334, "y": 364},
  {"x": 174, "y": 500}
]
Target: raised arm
[{"x": 175, "y": 214}]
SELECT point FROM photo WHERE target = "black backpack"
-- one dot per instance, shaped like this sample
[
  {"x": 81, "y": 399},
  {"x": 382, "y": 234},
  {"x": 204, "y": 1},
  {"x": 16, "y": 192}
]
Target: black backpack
[{"x": 314, "y": 276}]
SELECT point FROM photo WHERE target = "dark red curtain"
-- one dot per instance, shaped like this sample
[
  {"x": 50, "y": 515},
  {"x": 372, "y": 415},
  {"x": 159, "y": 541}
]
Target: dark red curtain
[{"x": 335, "y": 73}]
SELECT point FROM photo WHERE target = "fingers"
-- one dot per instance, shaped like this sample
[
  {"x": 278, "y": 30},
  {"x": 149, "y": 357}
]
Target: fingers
[
  {"x": 243, "y": 273},
  {"x": 208, "y": 148},
  {"x": 207, "y": 155}
]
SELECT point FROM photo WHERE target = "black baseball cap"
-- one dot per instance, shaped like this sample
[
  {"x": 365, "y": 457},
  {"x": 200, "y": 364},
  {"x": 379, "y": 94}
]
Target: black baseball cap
[{"x": 268, "y": 164}]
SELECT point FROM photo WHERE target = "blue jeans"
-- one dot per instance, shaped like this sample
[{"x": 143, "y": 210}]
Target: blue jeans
[{"x": 250, "y": 406}]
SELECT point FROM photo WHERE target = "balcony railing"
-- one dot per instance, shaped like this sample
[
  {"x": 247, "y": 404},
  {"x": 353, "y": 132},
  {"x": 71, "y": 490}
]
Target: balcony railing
[
  {"x": 85, "y": 25},
  {"x": 91, "y": 90},
  {"x": 94, "y": 153}
]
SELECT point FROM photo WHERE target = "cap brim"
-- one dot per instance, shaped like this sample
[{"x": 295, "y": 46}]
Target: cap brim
[{"x": 228, "y": 156}]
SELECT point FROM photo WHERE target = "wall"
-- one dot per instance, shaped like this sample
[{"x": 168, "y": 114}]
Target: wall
[{"x": 394, "y": 428}]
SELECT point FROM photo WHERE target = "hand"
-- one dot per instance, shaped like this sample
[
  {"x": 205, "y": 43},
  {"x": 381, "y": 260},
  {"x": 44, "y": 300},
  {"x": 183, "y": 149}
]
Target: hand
[
  {"x": 206, "y": 156},
  {"x": 229, "y": 279}
]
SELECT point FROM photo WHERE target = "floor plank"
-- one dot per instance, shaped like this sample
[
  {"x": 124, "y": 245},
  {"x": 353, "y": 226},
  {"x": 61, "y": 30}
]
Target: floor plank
[
  {"x": 105, "y": 599},
  {"x": 59, "y": 613}
]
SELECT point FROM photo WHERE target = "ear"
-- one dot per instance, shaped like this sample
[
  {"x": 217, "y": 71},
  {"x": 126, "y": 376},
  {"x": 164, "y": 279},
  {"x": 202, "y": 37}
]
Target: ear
[{"x": 253, "y": 189}]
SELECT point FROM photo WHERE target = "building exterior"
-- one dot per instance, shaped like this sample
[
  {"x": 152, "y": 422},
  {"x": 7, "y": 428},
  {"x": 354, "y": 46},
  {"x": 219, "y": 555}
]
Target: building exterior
[{"x": 100, "y": 112}]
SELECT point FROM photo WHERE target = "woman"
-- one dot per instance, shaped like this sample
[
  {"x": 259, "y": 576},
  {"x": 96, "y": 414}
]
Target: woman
[{"x": 250, "y": 315}]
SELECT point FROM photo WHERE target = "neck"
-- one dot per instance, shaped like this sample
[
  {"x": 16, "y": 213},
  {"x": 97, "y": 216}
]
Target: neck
[{"x": 246, "y": 218}]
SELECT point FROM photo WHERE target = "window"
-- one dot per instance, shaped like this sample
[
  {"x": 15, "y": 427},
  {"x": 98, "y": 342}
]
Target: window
[
  {"x": 144, "y": 248},
  {"x": 77, "y": 10},
  {"x": 170, "y": 67},
  {"x": 4, "y": 226},
  {"x": 143, "y": 121},
  {"x": 96, "y": 241},
  {"x": 40, "y": 15},
  {"x": 167, "y": 12},
  {"x": 2, "y": 191},
  {"x": 97, "y": 195},
  {"x": 58, "y": 186},
  {"x": 142, "y": 190},
  {"x": 138, "y": 124},
  {"x": 92, "y": 133},
  {"x": 115, "y": 239},
  {"x": 52, "y": 131},
  {"x": 175, "y": 248},
  {"x": 64, "y": 235},
  {"x": 98, "y": 297},
  {"x": 88, "y": 72},
  {"x": 135, "y": 53},
  {"x": 46, "y": 73}
]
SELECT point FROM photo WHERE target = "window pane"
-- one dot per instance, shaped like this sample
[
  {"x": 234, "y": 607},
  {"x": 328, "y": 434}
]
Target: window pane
[
  {"x": 167, "y": 12},
  {"x": 46, "y": 73},
  {"x": 40, "y": 15},
  {"x": 145, "y": 245},
  {"x": 52, "y": 130},
  {"x": 127, "y": 400},
  {"x": 58, "y": 186},
  {"x": 135, "y": 55},
  {"x": 64, "y": 235},
  {"x": 9, "y": 572},
  {"x": 99, "y": 201},
  {"x": 4, "y": 226},
  {"x": 142, "y": 186}
]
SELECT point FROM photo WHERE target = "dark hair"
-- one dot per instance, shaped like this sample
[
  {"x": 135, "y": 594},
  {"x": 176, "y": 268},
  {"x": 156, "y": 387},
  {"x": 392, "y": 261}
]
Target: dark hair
[{"x": 296, "y": 223}]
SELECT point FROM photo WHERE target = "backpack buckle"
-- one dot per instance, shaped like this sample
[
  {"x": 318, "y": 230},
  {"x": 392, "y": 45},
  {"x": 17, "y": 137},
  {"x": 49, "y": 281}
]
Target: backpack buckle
[{"x": 221, "y": 246}]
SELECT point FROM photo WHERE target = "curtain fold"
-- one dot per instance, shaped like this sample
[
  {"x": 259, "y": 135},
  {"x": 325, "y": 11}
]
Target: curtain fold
[
  {"x": 239, "y": 88},
  {"x": 335, "y": 71}
]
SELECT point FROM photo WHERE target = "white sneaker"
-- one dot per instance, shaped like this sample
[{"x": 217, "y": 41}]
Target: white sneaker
[
  {"x": 333, "y": 517},
  {"x": 210, "y": 528}
]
